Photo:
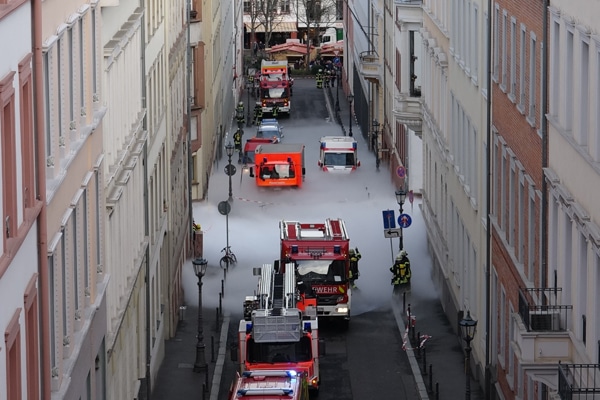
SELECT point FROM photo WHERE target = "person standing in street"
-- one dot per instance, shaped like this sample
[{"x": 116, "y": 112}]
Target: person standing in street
[{"x": 354, "y": 256}]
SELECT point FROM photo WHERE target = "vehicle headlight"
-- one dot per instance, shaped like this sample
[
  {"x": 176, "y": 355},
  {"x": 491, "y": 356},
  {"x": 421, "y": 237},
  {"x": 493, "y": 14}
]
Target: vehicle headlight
[{"x": 342, "y": 310}]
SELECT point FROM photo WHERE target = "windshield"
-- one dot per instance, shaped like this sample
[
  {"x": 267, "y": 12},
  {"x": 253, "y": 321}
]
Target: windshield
[
  {"x": 268, "y": 131},
  {"x": 279, "y": 352},
  {"x": 320, "y": 271},
  {"x": 274, "y": 93},
  {"x": 249, "y": 157},
  {"x": 345, "y": 159}
]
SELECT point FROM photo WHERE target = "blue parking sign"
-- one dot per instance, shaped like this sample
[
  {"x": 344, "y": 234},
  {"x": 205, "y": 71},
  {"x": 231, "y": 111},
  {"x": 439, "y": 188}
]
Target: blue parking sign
[{"x": 389, "y": 220}]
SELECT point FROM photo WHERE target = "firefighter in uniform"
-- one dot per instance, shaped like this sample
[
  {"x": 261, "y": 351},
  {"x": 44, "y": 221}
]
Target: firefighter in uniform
[
  {"x": 401, "y": 269},
  {"x": 257, "y": 114},
  {"x": 327, "y": 78},
  {"x": 275, "y": 111},
  {"x": 239, "y": 114},
  {"x": 237, "y": 142},
  {"x": 354, "y": 256},
  {"x": 319, "y": 79}
]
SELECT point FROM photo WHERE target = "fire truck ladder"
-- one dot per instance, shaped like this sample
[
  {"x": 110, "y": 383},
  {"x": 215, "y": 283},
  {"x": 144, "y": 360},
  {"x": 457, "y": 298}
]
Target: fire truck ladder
[
  {"x": 331, "y": 229},
  {"x": 276, "y": 319}
]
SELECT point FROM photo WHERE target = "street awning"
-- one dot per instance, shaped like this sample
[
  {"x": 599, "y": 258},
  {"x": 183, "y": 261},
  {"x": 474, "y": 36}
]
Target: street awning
[{"x": 276, "y": 27}]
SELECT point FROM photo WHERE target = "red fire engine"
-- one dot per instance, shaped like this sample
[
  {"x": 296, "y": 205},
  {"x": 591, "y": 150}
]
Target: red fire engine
[
  {"x": 275, "y": 86},
  {"x": 319, "y": 252},
  {"x": 268, "y": 384},
  {"x": 275, "y": 334}
]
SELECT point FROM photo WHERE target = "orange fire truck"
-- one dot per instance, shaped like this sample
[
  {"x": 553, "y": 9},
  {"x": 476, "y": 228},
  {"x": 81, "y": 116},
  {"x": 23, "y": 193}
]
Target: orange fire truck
[
  {"x": 268, "y": 384},
  {"x": 319, "y": 252},
  {"x": 275, "y": 86},
  {"x": 279, "y": 164},
  {"x": 275, "y": 334}
]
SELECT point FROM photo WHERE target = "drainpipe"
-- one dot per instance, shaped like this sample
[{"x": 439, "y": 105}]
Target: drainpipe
[
  {"x": 188, "y": 85},
  {"x": 42, "y": 225},
  {"x": 146, "y": 206},
  {"x": 488, "y": 204},
  {"x": 544, "y": 110}
]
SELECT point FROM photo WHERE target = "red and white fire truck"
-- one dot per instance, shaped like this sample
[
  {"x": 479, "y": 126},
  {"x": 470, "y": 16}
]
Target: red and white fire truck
[
  {"x": 275, "y": 334},
  {"x": 275, "y": 86},
  {"x": 268, "y": 384},
  {"x": 319, "y": 252}
]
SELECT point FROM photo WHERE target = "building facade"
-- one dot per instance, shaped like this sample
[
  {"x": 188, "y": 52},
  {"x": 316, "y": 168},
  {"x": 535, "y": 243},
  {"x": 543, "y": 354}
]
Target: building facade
[
  {"x": 455, "y": 97},
  {"x": 73, "y": 128},
  {"x": 24, "y": 366}
]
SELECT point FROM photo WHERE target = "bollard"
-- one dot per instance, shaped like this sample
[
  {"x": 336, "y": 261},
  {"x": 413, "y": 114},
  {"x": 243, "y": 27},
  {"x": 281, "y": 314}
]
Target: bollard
[
  {"x": 222, "y": 285},
  {"x": 424, "y": 360},
  {"x": 212, "y": 349},
  {"x": 431, "y": 377},
  {"x": 437, "y": 391},
  {"x": 220, "y": 304},
  {"x": 217, "y": 319},
  {"x": 224, "y": 273}
]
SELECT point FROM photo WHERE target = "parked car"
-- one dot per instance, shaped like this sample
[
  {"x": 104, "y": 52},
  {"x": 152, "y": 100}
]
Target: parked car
[{"x": 270, "y": 128}]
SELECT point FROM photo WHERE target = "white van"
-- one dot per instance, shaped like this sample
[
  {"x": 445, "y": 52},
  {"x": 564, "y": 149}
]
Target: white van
[{"x": 338, "y": 154}]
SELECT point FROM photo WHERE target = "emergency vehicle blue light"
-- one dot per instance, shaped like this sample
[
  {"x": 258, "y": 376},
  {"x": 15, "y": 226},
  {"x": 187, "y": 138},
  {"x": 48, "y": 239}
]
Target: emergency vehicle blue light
[
  {"x": 337, "y": 249},
  {"x": 249, "y": 328},
  {"x": 354, "y": 145},
  {"x": 292, "y": 373},
  {"x": 289, "y": 160},
  {"x": 322, "y": 145},
  {"x": 294, "y": 249},
  {"x": 264, "y": 159},
  {"x": 307, "y": 327}
]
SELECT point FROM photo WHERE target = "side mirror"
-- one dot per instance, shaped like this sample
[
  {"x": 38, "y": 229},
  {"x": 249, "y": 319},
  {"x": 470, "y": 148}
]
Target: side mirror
[
  {"x": 319, "y": 163},
  {"x": 251, "y": 172},
  {"x": 358, "y": 163}
]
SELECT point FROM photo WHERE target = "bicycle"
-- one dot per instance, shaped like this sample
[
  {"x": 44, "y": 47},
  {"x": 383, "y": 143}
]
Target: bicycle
[{"x": 229, "y": 257}]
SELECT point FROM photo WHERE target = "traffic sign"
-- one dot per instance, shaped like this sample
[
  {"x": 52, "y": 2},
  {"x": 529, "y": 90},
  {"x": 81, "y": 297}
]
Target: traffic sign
[
  {"x": 401, "y": 171},
  {"x": 404, "y": 220},
  {"x": 230, "y": 169},
  {"x": 224, "y": 208},
  {"x": 392, "y": 233},
  {"x": 389, "y": 220}
]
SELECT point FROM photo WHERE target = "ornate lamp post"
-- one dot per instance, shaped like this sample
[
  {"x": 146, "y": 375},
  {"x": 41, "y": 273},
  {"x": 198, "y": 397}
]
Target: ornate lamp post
[
  {"x": 350, "y": 99},
  {"x": 200, "y": 364},
  {"x": 468, "y": 327},
  {"x": 229, "y": 149},
  {"x": 400, "y": 198}
]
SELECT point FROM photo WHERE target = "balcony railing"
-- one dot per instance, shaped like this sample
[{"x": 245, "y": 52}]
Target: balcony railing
[
  {"x": 578, "y": 381},
  {"x": 540, "y": 311}
]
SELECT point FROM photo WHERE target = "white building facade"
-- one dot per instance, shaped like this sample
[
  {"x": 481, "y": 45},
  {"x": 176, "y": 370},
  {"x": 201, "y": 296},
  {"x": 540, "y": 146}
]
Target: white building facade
[{"x": 454, "y": 97}]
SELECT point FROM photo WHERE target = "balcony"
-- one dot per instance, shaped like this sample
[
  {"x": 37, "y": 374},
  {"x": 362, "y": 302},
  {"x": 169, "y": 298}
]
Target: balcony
[
  {"x": 408, "y": 110},
  {"x": 541, "y": 338},
  {"x": 578, "y": 381},
  {"x": 370, "y": 67}
]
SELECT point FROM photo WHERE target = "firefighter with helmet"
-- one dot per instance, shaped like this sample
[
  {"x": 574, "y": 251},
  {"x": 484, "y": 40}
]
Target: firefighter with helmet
[
  {"x": 353, "y": 256},
  {"x": 237, "y": 142},
  {"x": 319, "y": 79},
  {"x": 401, "y": 269},
  {"x": 239, "y": 113}
]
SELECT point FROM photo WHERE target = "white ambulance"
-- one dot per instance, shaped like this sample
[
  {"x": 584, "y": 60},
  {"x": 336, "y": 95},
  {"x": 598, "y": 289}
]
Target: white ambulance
[{"x": 338, "y": 154}]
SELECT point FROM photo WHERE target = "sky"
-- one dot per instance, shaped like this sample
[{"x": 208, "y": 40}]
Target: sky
[{"x": 253, "y": 224}]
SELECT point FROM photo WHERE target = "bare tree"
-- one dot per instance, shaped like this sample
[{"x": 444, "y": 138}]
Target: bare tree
[
  {"x": 317, "y": 14},
  {"x": 268, "y": 15}
]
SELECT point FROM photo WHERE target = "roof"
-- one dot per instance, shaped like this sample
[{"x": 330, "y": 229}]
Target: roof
[
  {"x": 275, "y": 26},
  {"x": 280, "y": 148},
  {"x": 330, "y": 49},
  {"x": 289, "y": 47}
]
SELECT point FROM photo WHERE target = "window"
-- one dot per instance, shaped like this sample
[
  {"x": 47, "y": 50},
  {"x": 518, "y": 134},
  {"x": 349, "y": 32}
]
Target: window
[
  {"x": 520, "y": 250},
  {"x": 584, "y": 93},
  {"x": 27, "y": 139},
  {"x": 9, "y": 165},
  {"x": 284, "y": 6},
  {"x": 513, "y": 58},
  {"x": 12, "y": 341},
  {"x": 32, "y": 338},
  {"x": 531, "y": 232},
  {"x": 532, "y": 81},
  {"x": 475, "y": 51},
  {"x": 502, "y": 316},
  {"x": 568, "y": 82},
  {"x": 48, "y": 96},
  {"x": 504, "y": 48},
  {"x": 555, "y": 67},
  {"x": 522, "y": 65},
  {"x": 496, "y": 41}
]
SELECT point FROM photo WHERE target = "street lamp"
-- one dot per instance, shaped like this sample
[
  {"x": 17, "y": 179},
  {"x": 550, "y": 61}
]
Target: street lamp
[
  {"x": 400, "y": 198},
  {"x": 200, "y": 364},
  {"x": 468, "y": 327},
  {"x": 229, "y": 149},
  {"x": 350, "y": 99}
]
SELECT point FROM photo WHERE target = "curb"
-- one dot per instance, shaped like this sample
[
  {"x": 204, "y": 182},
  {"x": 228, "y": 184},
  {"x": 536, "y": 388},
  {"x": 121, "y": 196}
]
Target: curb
[
  {"x": 218, "y": 372},
  {"x": 414, "y": 365}
]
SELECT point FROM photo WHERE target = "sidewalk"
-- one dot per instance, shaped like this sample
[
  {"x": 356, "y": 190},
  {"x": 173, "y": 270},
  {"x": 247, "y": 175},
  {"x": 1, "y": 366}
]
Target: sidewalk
[{"x": 176, "y": 378}]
